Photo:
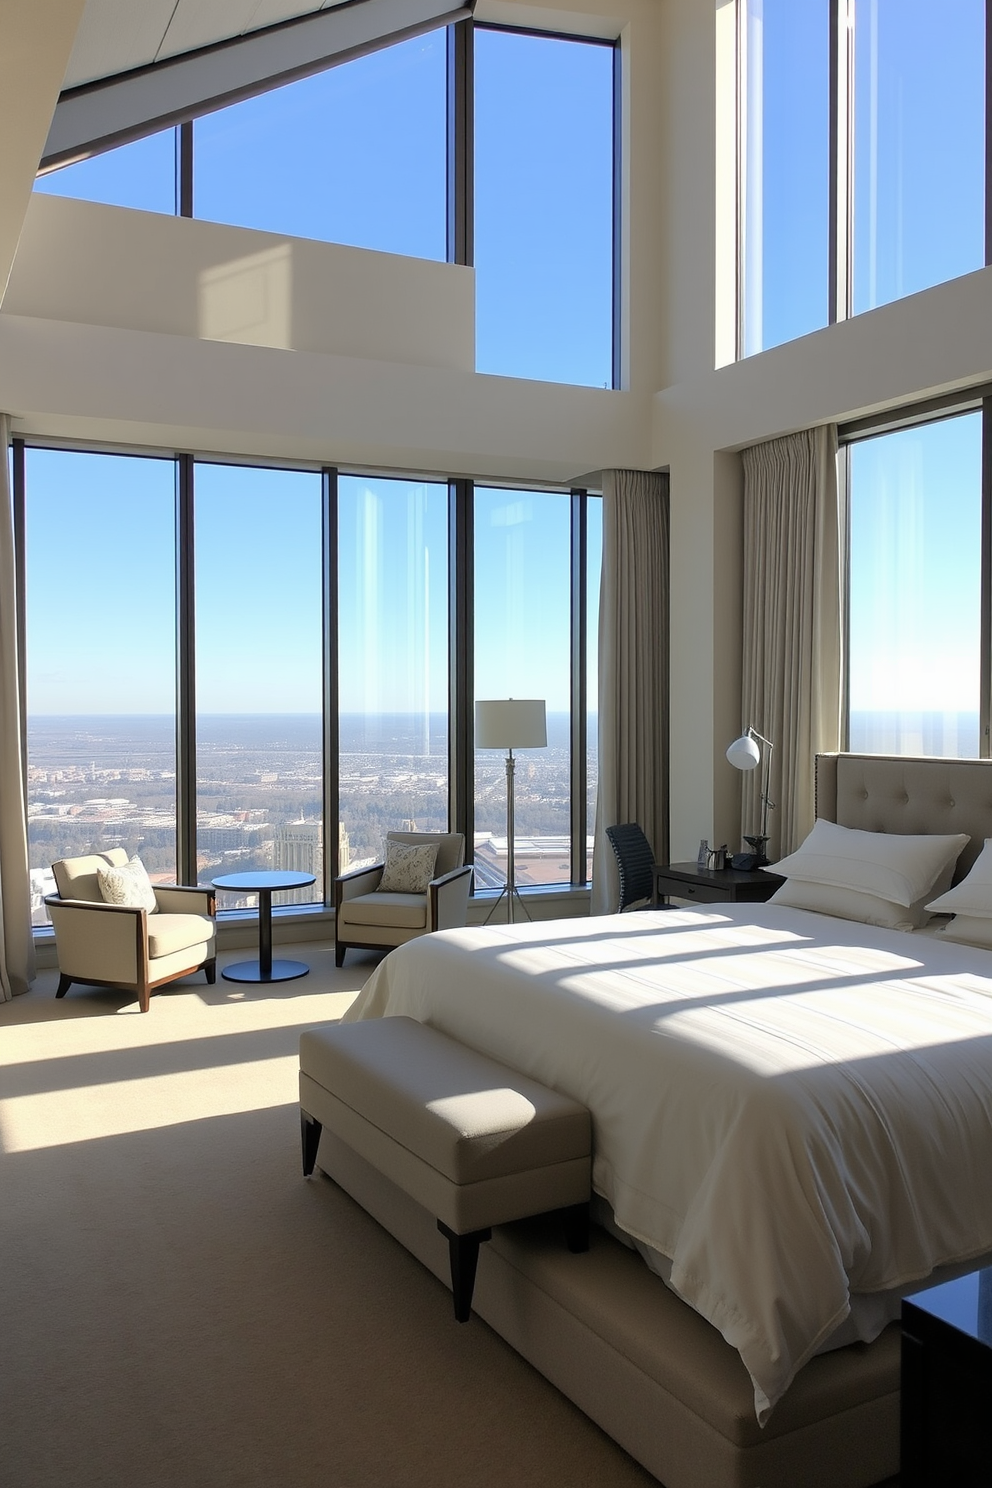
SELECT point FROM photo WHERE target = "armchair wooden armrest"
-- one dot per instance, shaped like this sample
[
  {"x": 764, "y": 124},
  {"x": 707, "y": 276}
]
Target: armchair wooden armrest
[
  {"x": 358, "y": 881},
  {"x": 449, "y": 898}
]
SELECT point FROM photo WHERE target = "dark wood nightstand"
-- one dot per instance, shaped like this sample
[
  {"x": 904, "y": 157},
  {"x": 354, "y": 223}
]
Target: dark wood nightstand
[
  {"x": 713, "y": 885},
  {"x": 946, "y": 1434}
]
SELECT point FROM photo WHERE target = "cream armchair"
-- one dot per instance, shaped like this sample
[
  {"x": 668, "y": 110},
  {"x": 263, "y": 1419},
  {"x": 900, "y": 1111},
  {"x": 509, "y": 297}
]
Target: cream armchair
[
  {"x": 366, "y": 919},
  {"x": 134, "y": 950}
]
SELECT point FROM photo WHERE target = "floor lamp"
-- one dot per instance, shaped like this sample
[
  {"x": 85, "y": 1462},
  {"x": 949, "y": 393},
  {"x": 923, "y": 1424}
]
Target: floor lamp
[{"x": 510, "y": 723}]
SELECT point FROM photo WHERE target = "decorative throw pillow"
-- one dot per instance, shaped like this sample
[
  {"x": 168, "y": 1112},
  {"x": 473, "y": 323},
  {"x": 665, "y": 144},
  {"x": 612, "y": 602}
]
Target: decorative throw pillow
[
  {"x": 409, "y": 867},
  {"x": 902, "y": 869},
  {"x": 128, "y": 885}
]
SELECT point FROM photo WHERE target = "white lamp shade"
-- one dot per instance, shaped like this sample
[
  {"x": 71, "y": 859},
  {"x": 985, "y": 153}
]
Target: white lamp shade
[
  {"x": 744, "y": 753},
  {"x": 511, "y": 723}
]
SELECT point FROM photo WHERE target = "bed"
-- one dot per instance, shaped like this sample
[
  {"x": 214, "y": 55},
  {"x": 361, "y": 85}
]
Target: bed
[{"x": 839, "y": 1155}]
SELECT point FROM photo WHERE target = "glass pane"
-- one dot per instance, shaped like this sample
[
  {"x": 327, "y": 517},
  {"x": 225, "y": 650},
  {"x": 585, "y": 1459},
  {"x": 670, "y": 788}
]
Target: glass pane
[
  {"x": 142, "y": 174},
  {"x": 786, "y": 186},
  {"x": 522, "y": 650},
  {"x": 357, "y": 154},
  {"x": 393, "y": 662},
  {"x": 919, "y": 139},
  {"x": 101, "y": 661},
  {"x": 259, "y": 780},
  {"x": 544, "y": 208},
  {"x": 915, "y": 590},
  {"x": 594, "y": 567}
]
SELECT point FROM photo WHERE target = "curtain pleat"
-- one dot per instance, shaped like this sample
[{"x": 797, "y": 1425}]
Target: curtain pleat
[
  {"x": 633, "y": 671},
  {"x": 793, "y": 658},
  {"x": 17, "y": 963}
]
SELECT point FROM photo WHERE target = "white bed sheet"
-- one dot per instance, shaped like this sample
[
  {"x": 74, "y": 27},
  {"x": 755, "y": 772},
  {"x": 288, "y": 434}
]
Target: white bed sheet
[{"x": 790, "y": 1107}]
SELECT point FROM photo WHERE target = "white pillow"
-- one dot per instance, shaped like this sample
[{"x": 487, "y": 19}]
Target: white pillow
[
  {"x": 969, "y": 931},
  {"x": 409, "y": 867},
  {"x": 973, "y": 895},
  {"x": 128, "y": 885},
  {"x": 899, "y": 868},
  {"x": 848, "y": 904}
]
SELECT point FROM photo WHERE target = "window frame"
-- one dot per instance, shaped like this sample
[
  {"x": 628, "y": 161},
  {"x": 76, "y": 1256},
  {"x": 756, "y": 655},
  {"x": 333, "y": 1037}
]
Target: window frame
[{"x": 461, "y": 699}]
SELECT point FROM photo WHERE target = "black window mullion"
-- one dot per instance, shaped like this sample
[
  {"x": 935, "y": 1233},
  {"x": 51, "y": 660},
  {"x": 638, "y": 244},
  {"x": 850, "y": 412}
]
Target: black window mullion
[
  {"x": 20, "y": 599},
  {"x": 985, "y": 640},
  {"x": 331, "y": 734},
  {"x": 618, "y": 324},
  {"x": 988, "y": 132},
  {"x": 184, "y": 169},
  {"x": 579, "y": 673},
  {"x": 461, "y": 148},
  {"x": 185, "y": 674},
  {"x": 461, "y": 669}
]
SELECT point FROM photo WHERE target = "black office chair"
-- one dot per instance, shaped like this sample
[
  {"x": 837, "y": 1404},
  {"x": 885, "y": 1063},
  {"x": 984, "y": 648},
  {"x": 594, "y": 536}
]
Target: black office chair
[{"x": 635, "y": 861}]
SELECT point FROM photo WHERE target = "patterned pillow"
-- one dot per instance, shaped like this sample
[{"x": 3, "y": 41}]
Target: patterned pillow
[
  {"x": 409, "y": 867},
  {"x": 128, "y": 885}
]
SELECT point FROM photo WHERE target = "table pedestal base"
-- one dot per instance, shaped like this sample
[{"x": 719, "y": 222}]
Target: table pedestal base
[{"x": 251, "y": 971}]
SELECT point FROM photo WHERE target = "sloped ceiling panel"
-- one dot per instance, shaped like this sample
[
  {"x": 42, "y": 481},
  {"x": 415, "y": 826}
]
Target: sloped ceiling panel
[
  {"x": 118, "y": 35},
  {"x": 117, "y": 108}
]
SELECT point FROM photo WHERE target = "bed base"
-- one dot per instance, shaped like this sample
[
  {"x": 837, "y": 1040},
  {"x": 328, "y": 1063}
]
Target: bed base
[{"x": 646, "y": 1368}]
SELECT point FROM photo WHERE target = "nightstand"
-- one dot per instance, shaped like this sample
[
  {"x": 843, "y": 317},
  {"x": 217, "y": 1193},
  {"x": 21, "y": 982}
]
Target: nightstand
[
  {"x": 946, "y": 1431},
  {"x": 713, "y": 885}
]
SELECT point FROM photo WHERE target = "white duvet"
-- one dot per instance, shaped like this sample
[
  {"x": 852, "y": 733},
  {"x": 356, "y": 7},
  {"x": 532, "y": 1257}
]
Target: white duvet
[{"x": 790, "y": 1107}]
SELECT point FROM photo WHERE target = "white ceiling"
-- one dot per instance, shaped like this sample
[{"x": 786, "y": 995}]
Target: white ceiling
[{"x": 116, "y": 35}]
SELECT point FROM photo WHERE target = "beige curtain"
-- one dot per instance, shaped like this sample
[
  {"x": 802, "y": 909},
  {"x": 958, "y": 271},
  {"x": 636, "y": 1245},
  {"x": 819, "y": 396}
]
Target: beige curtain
[
  {"x": 633, "y": 671},
  {"x": 16, "y": 945},
  {"x": 793, "y": 623}
]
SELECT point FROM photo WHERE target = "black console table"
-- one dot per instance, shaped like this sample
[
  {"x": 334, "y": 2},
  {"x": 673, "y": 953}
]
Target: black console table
[{"x": 946, "y": 1408}]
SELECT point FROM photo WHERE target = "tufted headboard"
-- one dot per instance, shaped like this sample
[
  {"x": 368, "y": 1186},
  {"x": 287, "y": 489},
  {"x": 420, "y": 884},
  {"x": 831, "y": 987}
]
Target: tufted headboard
[{"x": 896, "y": 793}]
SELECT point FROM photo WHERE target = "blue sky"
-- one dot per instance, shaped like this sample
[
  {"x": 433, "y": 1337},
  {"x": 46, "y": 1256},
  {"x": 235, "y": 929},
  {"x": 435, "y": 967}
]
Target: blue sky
[{"x": 354, "y": 155}]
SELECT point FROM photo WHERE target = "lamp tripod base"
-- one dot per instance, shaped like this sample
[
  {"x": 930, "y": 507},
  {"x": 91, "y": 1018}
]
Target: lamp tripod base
[
  {"x": 509, "y": 893},
  {"x": 758, "y": 845}
]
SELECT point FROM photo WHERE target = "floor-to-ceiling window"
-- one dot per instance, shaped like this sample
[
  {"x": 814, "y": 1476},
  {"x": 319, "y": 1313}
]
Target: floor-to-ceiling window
[
  {"x": 259, "y": 670},
  {"x": 522, "y": 637},
  {"x": 142, "y": 589},
  {"x": 392, "y": 662},
  {"x": 100, "y": 613},
  {"x": 863, "y": 130},
  {"x": 915, "y": 589}
]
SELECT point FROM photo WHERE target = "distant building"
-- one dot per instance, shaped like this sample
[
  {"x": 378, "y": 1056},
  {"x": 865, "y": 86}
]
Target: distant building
[{"x": 298, "y": 847}]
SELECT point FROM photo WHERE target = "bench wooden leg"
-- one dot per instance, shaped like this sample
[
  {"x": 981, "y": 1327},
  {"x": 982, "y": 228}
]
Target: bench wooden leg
[
  {"x": 310, "y": 1133},
  {"x": 576, "y": 1221},
  {"x": 463, "y": 1252},
  {"x": 64, "y": 984}
]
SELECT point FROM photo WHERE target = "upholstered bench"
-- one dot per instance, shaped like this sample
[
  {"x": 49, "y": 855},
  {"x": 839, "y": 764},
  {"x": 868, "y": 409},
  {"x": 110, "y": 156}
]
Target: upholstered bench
[{"x": 472, "y": 1141}]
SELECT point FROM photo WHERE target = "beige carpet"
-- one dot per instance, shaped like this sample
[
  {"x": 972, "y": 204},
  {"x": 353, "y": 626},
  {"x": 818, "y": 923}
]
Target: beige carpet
[{"x": 178, "y": 1307}]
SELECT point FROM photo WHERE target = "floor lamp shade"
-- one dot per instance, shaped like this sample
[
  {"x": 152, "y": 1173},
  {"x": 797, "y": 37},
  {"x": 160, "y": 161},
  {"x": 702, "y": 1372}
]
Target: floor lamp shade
[{"x": 511, "y": 723}]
